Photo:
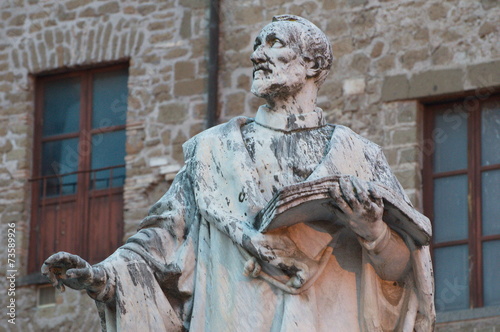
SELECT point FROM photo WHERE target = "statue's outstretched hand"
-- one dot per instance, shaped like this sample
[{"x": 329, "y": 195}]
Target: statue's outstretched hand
[
  {"x": 281, "y": 252},
  {"x": 73, "y": 271},
  {"x": 361, "y": 206}
]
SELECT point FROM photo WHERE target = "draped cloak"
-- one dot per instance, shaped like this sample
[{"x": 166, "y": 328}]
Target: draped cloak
[{"x": 181, "y": 271}]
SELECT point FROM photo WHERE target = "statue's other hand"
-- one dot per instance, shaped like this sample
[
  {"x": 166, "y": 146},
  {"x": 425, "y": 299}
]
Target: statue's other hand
[
  {"x": 73, "y": 271},
  {"x": 361, "y": 205},
  {"x": 281, "y": 252}
]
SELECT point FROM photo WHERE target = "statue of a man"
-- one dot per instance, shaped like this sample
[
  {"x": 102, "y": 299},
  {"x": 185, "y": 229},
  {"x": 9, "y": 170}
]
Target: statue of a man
[{"x": 197, "y": 263}]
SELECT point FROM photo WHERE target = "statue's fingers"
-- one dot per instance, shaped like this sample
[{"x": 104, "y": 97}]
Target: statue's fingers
[
  {"x": 78, "y": 273},
  {"x": 347, "y": 191},
  {"x": 361, "y": 191},
  {"x": 56, "y": 259},
  {"x": 84, "y": 276},
  {"x": 375, "y": 195},
  {"x": 249, "y": 267},
  {"x": 77, "y": 261},
  {"x": 300, "y": 277},
  {"x": 49, "y": 275}
]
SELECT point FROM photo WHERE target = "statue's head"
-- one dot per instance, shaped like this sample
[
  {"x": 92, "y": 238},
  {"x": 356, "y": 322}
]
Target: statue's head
[{"x": 288, "y": 52}]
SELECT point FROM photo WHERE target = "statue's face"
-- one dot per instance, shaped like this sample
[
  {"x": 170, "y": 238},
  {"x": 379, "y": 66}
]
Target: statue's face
[{"x": 279, "y": 70}]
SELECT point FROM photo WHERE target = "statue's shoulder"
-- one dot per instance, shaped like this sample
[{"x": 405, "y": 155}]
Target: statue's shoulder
[
  {"x": 346, "y": 134},
  {"x": 224, "y": 131}
]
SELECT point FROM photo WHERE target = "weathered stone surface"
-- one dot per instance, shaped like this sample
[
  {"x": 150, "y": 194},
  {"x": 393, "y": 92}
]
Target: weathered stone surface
[
  {"x": 410, "y": 58},
  {"x": 184, "y": 70},
  {"x": 395, "y": 87},
  {"x": 377, "y": 49},
  {"x": 436, "y": 82},
  {"x": 172, "y": 113},
  {"x": 189, "y": 87},
  {"x": 488, "y": 28},
  {"x": 485, "y": 74},
  {"x": 437, "y": 11}
]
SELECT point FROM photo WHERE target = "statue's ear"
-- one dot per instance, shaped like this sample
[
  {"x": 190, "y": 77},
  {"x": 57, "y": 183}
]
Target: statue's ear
[{"x": 314, "y": 65}]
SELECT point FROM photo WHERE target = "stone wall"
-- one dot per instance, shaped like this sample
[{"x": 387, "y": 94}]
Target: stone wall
[
  {"x": 388, "y": 55},
  {"x": 165, "y": 43}
]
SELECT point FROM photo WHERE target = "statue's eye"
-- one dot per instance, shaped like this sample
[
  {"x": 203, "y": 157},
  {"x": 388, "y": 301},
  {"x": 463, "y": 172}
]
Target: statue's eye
[{"x": 276, "y": 43}]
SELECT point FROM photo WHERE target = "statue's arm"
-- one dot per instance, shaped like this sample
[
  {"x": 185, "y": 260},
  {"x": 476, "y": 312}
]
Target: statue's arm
[
  {"x": 166, "y": 223},
  {"x": 389, "y": 255},
  {"x": 362, "y": 209}
]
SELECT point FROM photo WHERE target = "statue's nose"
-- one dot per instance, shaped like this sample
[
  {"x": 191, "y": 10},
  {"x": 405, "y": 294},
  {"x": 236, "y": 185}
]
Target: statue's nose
[{"x": 258, "y": 55}]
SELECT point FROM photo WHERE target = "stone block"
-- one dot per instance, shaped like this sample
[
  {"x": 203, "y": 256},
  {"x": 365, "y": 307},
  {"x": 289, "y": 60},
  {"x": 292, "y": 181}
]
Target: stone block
[
  {"x": 184, "y": 70},
  {"x": 402, "y": 136},
  {"x": 436, "y": 82},
  {"x": 189, "y": 87},
  {"x": 484, "y": 74},
  {"x": 248, "y": 15},
  {"x": 109, "y": 8},
  {"x": 354, "y": 86},
  {"x": 407, "y": 112},
  {"x": 408, "y": 155},
  {"x": 410, "y": 58},
  {"x": 407, "y": 177},
  {"x": 162, "y": 93},
  {"x": 437, "y": 11},
  {"x": 243, "y": 82},
  {"x": 6, "y": 147},
  {"x": 489, "y": 4},
  {"x": 395, "y": 87},
  {"x": 377, "y": 49},
  {"x": 174, "y": 113},
  {"x": 238, "y": 40},
  {"x": 360, "y": 63},
  {"x": 18, "y": 20},
  {"x": 235, "y": 103},
  {"x": 146, "y": 9},
  {"x": 442, "y": 56},
  {"x": 487, "y": 28},
  {"x": 336, "y": 26},
  {"x": 342, "y": 47},
  {"x": 161, "y": 37},
  {"x": 70, "y": 5},
  {"x": 161, "y": 25},
  {"x": 185, "y": 29},
  {"x": 88, "y": 12},
  {"x": 385, "y": 63}
]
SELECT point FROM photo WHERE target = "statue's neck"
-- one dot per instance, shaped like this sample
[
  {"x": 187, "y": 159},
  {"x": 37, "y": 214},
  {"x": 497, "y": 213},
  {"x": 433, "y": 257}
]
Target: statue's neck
[{"x": 302, "y": 102}]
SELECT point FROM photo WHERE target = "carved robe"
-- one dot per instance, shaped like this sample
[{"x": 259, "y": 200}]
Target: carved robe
[{"x": 182, "y": 271}]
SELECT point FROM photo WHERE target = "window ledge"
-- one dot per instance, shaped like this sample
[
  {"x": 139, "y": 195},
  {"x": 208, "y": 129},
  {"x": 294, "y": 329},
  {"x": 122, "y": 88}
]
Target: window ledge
[
  {"x": 458, "y": 315},
  {"x": 32, "y": 279}
]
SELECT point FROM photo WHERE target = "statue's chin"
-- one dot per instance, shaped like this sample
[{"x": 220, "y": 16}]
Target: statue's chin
[{"x": 259, "y": 89}]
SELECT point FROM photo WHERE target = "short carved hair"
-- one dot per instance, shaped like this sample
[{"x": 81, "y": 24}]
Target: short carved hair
[{"x": 314, "y": 45}]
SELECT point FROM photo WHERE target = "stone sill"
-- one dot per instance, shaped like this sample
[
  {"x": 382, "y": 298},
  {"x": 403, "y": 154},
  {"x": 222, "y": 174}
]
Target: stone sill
[
  {"x": 32, "y": 279},
  {"x": 467, "y": 314},
  {"x": 440, "y": 82}
]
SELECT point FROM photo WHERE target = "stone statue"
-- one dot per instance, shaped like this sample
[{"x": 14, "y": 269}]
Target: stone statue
[{"x": 198, "y": 263}]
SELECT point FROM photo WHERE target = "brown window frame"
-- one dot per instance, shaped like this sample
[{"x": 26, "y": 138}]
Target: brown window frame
[
  {"x": 84, "y": 193},
  {"x": 473, "y": 105}
]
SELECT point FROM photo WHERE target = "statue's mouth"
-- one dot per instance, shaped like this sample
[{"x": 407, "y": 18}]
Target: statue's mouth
[{"x": 264, "y": 68}]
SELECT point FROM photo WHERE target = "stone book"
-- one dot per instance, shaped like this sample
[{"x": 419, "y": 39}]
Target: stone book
[{"x": 310, "y": 201}]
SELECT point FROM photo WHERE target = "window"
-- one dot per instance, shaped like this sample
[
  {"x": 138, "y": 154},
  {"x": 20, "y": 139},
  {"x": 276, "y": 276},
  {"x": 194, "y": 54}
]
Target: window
[
  {"x": 78, "y": 169},
  {"x": 462, "y": 198}
]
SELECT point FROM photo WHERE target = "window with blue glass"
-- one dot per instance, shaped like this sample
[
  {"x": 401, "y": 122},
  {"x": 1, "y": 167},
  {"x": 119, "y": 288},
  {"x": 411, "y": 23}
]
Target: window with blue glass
[
  {"x": 462, "y": 198},
  {"x": 79, "y": 163}
]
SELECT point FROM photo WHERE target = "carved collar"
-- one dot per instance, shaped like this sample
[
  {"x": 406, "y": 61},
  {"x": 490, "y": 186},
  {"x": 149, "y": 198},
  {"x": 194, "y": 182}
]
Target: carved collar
[{"x": 281, "y": 122}]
